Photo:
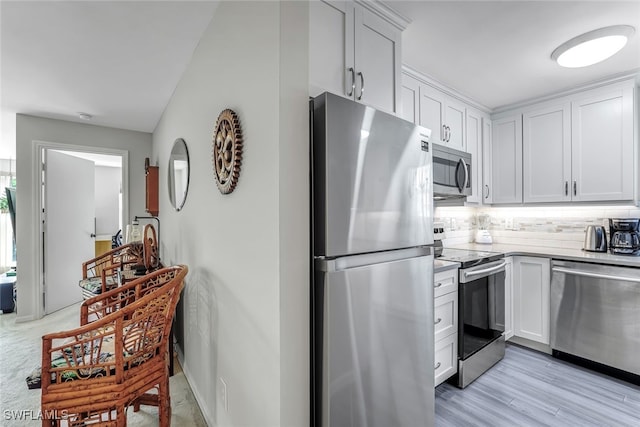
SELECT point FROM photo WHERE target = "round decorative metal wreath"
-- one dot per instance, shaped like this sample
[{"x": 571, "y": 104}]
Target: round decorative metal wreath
[{"x": 227, "y": 151}]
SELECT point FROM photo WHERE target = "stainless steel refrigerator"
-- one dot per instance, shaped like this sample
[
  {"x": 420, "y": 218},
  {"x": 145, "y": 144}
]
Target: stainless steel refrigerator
[{"x": 372, "y": 298}]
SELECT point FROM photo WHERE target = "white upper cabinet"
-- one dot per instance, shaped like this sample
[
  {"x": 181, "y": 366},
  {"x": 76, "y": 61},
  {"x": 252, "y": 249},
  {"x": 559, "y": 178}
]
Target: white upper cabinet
[
  {"x": 487, "y": 161},
  {"x": 580, "y": 149},
  {"x": 354, "y": 53},
  {"x": 546, "y": 154},
  {"x": 506, "y": 160},
  {"x": 331, "y": 44},
  {"x": 602, "y": 142},
  {"x": 410, "y": 103},
  {"x": 474, "y": 146},
  {"x": 444, "y": 116},
  {"x": 454, "y": 120}
]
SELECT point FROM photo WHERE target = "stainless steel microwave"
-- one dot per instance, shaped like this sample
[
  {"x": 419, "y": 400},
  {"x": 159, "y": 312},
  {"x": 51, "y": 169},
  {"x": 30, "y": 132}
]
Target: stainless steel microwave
[{"x": 451, "y": 173}]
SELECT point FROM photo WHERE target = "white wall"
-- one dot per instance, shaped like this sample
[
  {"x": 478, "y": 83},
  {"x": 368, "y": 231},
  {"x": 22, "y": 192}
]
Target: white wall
[
  {"x": 30, "y": 130},
  {"x": 108, "y": 181},
  {"x": 245, "y": 308}
]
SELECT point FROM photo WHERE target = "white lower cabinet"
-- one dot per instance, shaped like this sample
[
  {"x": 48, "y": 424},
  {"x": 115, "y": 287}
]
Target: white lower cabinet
[
  {"x": 445, "y": 324},
  {"x": 531, "y": 288},
  {"x": 445, "y": 315},
  {"x": 508, "y": 298},
  {"x": 446, "y": 358}
]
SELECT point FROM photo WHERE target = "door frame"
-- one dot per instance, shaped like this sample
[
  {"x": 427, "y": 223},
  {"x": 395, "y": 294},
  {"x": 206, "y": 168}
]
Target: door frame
[{"x": 39, "y": 147}]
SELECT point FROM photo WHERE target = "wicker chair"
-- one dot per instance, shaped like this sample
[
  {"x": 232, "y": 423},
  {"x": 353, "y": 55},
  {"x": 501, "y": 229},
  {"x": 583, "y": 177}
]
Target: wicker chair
[
  {"x": 100, "y": 274},
  {"x": 120, "y": 265},
  {"x": 92, "y": 374}
]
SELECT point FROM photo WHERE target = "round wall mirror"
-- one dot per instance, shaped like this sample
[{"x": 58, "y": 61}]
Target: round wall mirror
[{"x": 178, "y": 173}]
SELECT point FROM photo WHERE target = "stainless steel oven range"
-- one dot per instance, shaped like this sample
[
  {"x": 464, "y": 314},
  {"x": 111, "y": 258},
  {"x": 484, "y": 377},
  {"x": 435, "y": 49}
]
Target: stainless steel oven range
[{"x": 480, "y": 312}]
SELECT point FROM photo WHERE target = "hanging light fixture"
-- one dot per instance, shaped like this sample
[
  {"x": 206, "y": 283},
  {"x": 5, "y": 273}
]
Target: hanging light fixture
[{"x": 592, "y": 47}]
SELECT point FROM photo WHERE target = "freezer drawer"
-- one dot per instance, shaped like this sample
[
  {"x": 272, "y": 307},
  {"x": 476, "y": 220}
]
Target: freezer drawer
[
  {"x": 594, "y": 313},
  {"x": 374, "y": 336}
]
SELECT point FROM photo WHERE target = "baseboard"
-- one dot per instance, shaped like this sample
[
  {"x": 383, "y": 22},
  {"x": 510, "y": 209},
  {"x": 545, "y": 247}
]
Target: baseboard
[
  {"x": 199, "y": 400},
  {"x": 20, "y": 319},
  {"x": 544, "y": 348}
]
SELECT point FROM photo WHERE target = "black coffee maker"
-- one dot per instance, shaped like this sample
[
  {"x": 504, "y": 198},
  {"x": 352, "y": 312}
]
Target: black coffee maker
[{"x": 624, "y": 236}]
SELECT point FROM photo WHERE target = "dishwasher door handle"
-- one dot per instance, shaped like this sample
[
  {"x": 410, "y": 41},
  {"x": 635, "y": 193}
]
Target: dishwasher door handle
[{"x": 595, "y": 275}]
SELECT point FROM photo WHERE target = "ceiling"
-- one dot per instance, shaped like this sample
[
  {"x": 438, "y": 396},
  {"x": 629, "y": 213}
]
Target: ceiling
[
  {"x": 118, "y": 61},
  {"x": 121, "y": 61},
  {"x": 499, "y": 52}
]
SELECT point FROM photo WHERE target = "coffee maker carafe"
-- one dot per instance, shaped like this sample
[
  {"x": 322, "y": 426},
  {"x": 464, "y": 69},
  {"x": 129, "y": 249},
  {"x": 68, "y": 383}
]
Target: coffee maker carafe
[{"x": 624, "y": 236}]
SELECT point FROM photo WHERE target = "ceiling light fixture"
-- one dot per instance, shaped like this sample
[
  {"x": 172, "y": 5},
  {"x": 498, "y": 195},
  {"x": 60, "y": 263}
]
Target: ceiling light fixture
[
  {"x": 592, "y": 47},
  {"x": 85, "y": 116}
]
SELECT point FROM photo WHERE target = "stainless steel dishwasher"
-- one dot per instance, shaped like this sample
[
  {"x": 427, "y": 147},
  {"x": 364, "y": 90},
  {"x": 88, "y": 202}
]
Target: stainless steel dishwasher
[{"x": 595, "y": 313}]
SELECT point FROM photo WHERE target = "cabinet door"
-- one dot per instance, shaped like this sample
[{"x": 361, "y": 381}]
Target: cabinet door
[
  {"x": 602, "y": 143},
  {"x": 454, "y": 116},
  {"x": 432, "y": 105},
  {"x": 487, "y": 168},
  {"x": 377, "y": 61},
  {"x": 546, "y": 153},
  {"x": 410, "y": 102},
  {"x": 508, "y": 298},
  {"x": 506, "y": 160},
  {"x": 445, "y": 315},
  {"x": 151, "y": 189},
  {"x": 445, "y": 358},
  {"x": 531, "y": 285},
  {"x": 474, "y": 146},
  {"x": 331, "y": 47}
]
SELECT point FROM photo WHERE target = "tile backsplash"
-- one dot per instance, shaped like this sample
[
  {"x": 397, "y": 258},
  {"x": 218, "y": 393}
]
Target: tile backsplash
[{"x": 558, "y": 226}]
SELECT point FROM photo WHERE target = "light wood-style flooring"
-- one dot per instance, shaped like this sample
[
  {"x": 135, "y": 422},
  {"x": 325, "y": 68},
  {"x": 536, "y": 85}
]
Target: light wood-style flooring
[{"x": 528, "y": 388}]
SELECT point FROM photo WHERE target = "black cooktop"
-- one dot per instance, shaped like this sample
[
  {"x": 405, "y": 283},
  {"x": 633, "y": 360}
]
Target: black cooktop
[{"x": 468, "y": 258}]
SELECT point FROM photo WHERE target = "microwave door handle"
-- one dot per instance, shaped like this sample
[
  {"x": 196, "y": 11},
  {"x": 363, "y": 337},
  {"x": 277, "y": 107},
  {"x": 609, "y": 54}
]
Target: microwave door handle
[
  {"x": 463, "y": 164},
  {"x": 466, "y": 174}
]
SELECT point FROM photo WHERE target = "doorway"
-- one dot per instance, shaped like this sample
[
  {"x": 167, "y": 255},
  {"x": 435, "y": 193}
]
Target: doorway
[{"x": 83, "y": 200}]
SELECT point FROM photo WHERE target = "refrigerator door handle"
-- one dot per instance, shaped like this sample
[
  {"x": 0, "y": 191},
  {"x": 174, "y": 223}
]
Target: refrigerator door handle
[{"x": 330, "y": 265}]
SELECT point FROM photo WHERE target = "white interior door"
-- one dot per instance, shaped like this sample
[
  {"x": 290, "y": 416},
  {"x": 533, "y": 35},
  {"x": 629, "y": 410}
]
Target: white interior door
[{"x": 69, "y": 211}]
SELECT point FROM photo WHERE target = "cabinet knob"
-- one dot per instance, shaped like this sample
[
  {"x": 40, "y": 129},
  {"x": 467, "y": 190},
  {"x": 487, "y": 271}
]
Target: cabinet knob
[
  {"x": 438, "y": 321},
  {"x": 437, "y": 366},
  {"x": 437, "y": 285}
]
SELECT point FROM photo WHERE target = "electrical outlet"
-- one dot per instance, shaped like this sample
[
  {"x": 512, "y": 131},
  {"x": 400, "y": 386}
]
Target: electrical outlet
[
  {"x": 508, "y": 223},
  {"x": 223, "y": 395}
]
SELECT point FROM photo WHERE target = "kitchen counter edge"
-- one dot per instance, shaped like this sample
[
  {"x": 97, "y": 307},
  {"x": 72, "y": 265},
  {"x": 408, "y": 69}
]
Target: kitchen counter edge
[
  {"x": 440, "y": 265},
  {"x": 554, "y": 253}
]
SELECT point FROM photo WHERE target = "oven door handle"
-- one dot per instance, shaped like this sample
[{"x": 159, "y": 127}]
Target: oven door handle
[{"x": 468, "y": 274}]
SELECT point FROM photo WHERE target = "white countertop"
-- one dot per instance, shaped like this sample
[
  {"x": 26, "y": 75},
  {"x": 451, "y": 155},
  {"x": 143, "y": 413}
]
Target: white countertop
[{"x": 555, "y": 253}]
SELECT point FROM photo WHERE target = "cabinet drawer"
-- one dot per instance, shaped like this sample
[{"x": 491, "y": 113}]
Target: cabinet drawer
[
  {"x": 445, "y": 282},
  {"x": 445, "y": 315},
  {"x": 446, "y": 358}
]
